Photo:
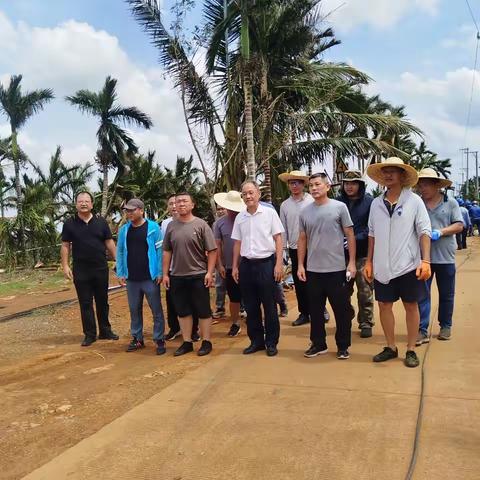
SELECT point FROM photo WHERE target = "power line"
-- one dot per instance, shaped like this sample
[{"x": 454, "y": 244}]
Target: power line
[
  {"x": 472, "y": 15},
  {"x": 469, "y": 110}
]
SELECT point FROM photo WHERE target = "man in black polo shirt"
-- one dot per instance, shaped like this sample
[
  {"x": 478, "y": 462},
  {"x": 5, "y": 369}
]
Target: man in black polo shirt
[{"x": 89, "y": 237}]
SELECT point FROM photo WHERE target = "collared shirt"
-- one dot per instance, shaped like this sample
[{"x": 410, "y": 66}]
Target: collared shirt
[
  {"x": 88, "y": 241},
  {"x": 443, "y": 215},
  {"x": 397, "y": 237},
  {"x": 290, "y": 211},
  {"x": 222, "y": 230},
  {"x": 256, "y": 231}
]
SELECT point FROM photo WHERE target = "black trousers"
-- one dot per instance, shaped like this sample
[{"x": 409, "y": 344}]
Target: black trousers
[
  {"x": 300, "y": 287},
  {"x": 257, "y": 285},
  {"x": 462, "y": 239},
  {"x": 91, "y": 284},
  {"x": 331, "y": 286},
  {"x": 172, "y": 317}
]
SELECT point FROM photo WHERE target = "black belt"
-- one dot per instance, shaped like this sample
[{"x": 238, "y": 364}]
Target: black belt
[{"x": 258, "y": 260}]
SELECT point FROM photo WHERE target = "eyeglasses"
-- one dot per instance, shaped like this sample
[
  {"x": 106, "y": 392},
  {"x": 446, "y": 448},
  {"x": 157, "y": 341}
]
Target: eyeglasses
[{"x": 295, "y": 182}]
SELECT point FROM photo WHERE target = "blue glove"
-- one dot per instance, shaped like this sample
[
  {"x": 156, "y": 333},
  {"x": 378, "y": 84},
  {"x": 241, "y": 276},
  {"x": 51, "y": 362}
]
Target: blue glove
[{"x": 436, "y": 234}]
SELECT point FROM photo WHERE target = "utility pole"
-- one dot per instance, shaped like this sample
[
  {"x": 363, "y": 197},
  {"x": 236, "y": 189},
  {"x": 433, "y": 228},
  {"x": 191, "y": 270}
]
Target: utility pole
[
  {"x": 465, "y": 150},
  {"x": 476, "y": 175}
]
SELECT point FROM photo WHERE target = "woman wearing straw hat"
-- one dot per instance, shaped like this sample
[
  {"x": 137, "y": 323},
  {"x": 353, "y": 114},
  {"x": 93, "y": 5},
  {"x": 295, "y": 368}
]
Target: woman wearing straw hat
[
  {"x": 222, "y": 231},
  {"x": 447, "y": 221},
  {"x": 398, "y": 258}
]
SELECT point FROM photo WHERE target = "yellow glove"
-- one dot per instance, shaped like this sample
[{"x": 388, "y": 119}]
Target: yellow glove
[
  {"x": 424, "y": 272},
  {"x": 368, "y": 271}
]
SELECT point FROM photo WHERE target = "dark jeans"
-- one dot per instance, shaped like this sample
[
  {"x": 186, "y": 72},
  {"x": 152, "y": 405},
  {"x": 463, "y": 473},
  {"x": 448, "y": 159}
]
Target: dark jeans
[
  {"x": 257, "y": 284},
  {"x": 172, "y": 317},
  {"x": 135, "y": 292},
  {"x": 445, "y": 275},
  {"x": 92, "y": 284},
  {"x": 462, "y": 239},
  {"x": 331, "y": 286},
  {"x": 300, "y": 287}
]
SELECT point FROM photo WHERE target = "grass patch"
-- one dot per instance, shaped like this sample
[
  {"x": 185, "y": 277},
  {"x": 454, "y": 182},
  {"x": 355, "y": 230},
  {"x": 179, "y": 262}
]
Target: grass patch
[{"x": 12, "y": 283}]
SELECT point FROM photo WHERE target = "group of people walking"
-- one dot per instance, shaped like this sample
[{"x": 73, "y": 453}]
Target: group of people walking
[{"x": 389, "y": 247}]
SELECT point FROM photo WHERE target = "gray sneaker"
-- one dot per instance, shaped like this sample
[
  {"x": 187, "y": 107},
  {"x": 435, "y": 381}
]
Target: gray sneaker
[
  {"x": 422, "y": 338},
  {"x": 445, "y": 333}
]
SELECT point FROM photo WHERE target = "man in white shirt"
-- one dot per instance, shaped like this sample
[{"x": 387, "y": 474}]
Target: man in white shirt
[
  {"x": 398, "y": 259},
  {"x": 257, "y": 232}
]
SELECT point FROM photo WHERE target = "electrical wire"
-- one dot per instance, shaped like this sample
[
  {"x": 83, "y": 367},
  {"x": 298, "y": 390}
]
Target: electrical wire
[
  {"x": 418, "y": 428},
  {"x": 469, "y": 110},
  {"x": 472, "y": 15}
]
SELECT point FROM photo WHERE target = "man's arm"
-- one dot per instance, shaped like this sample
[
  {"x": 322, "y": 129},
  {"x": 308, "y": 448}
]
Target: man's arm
[
  {"x": 110, "y": 245},
  {"x": 220, "y": 266},
  {"x": 424, "y": 271},
  {"x": 278, "y": 270},
  {"x": 64, "y": 254},
  {"x": 368, "y": 269},
  {"x": 352, "y": 250},
  {"x": 236, "y": 258},
  {"x": 452, "y": 229},
  {"x": 301, "y": 252},
  {"x": 211, "y": 261},
  {"x": 167, "y": 258}
]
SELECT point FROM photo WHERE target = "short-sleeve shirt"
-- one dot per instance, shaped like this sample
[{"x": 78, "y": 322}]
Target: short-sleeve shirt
[
  {"x": 256, "y": 231},
  {"x": 222, "y": 230},
  {"x": 188, "y": 242},
  {"x": 165, "y": 224},
  {"x": 323, "y": 226},
  {"x": 443, "y": 215},
  {"x": 137, "y": 258},
  {"x": 88, "y": 241}
]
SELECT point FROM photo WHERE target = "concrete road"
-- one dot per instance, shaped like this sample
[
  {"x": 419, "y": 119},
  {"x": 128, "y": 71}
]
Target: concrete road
[{"x": 253, "y": 417}]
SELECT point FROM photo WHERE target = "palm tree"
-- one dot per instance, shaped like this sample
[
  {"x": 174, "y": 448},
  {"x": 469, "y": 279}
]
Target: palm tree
[
  {"x": 115, "y": 145},
  {"x": 18, "y": 108},
  {"x": 422, "y": 157}
]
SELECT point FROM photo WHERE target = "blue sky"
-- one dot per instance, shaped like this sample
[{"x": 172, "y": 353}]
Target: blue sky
[{"x": 419, "y": 52}]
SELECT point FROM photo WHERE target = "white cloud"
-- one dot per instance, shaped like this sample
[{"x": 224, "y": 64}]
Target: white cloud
[
  {"x": 438, "y": 105},
  {"x": 73, "y": 56},
  {"x": 380, "y": 14}
]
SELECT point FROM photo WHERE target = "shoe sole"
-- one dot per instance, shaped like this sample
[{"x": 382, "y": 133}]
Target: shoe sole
[
  {"x": 420, "y": 343},
  {"x": 368, "y": 335},
  {"x": 134, "y": 349},
  {"x": 312, "y": 355},
  {"x": 182, "y": 353},
  {"x": 411, "y": 366},
  {"x": 232, "y": 335},
  {"x": 255, "y": 351},
  {"x": 444, "y": 339},
  {"x": 162, "y": 352},
  {"x": 172, "y": 338},
  {"x": 343, "y": 358},
  {"x": 384, "y": 360},
  {"x": 272, "y": 354}
]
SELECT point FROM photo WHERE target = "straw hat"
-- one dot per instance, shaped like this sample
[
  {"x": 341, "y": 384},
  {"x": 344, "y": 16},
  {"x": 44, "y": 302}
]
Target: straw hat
[
  {"x": 375, "y": 171},
  {"x": 293, "y": 175},
  {"x": 353, "y": 176},
  {"x": 433, "y": 175},
  {"x": 231, "y": 201}
]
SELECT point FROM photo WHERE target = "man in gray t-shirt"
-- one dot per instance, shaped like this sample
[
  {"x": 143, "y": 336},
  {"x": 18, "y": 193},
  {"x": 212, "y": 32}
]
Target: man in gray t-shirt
[
  {"x": 447, "y": 221},
  {"x": 323, "y": 226}
]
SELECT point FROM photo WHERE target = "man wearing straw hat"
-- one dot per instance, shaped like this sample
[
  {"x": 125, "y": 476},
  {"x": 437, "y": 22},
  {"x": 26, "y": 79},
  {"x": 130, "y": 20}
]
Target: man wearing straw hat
[
  {"x": 222, "y": 231},
  {"x": 358, "y": 203},
  {"x": 257, "y": 232},
  {"x": 290, "y": 210},
  {"x": 398, "y": 258},
  {"x": 447, "y": 221}
]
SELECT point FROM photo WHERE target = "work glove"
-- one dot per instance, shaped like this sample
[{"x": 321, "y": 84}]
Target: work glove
[
  {"x": 436, "y": 234},
  {"x": 368, "y": 271},
  {"x": 424, "y": 271}
]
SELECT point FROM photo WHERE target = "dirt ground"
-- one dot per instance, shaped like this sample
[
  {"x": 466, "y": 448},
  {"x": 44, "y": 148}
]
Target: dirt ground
[{"x": 47, "y": 380}]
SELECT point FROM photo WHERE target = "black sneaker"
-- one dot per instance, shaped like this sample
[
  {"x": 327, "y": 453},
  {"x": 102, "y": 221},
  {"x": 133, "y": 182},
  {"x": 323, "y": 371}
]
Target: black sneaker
[
  {"x": 171, "y": 335},
  {"x": 411, "y": 359},
  {"x": 301, "y": 320},
  {"x": 205, "y": 349},
  {"x": 219, "y": 313},
  {"x": 271, "y": 350},
  {"x": 195, "y": 337},
  {"x": 284, "y": 312},
  {"x": 343, "y": 354},
  {"x": 386, "y": 354},
  {"x": 314, "y": 351},
  {"x": 366, "y": 332},
  {"x": 234, "y": 330},
  {"x": 135, "y": 345},
  {"x": 87, "y": 341},
  {"x": 161, "y": 349},
  {"x": 108, "y": 336},
  {"x": 185, "y": 347}
]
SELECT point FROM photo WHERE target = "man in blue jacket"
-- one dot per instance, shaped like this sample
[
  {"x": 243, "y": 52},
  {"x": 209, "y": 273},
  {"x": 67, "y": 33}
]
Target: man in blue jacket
[
  {"x": 139, "y": 267},
  {"x": 358, "y": 203}
]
